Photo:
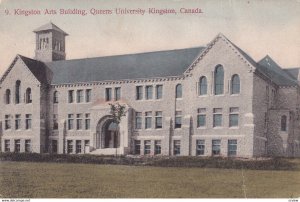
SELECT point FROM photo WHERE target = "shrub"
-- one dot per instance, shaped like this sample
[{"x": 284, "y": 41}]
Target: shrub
[{"x": 201, "y": 162}]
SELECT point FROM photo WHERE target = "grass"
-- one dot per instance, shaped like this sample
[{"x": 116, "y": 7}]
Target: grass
[{"x": 68, "y": 180}]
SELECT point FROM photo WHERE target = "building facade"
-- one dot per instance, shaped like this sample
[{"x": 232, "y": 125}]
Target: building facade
[{"x": 207, "y": 101}]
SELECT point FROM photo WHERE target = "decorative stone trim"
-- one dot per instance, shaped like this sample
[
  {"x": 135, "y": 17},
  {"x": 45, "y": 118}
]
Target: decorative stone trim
[{"x": 95, "y": 83}]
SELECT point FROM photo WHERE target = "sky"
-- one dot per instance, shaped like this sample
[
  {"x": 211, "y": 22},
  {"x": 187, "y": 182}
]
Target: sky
[{"x": 259, "y": 27}]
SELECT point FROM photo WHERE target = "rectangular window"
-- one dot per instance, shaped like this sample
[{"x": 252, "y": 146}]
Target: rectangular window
[
  {"x": 70, "y": 121},
  {"x": 201, "y": 117},
  {"x": 149, "y": 92},
  {"x": 18, "y": 122},
  {"x": 158, "y": 119},
  {"x": 216, "y": 147},
  {"x": 17, "y": 146},
  {"x": 217, "y": 122},
  {"x": 55, "y": 122},
  {"x": 79, "y": 96},
  {"x": 7, "y": 122},
  {"x": 7, "y": 145},
  {"x": 200, "y": 150},
  {"x": 117, "y": 93},
  {"x": 87, "y": 121},
  {"x": 234, "y": 117},
  {"x": 108, "y": 95},
  {"x": 78, "y": 146},
  {"x": 79, "y": 121},
  {"x": 54, "y": 146},
  {"x": 88, "y": 95},
  {"x": 138, "y": 120},
  {"x": 157, "y": 149},
  {"x": 176, "y": 147},
  {"x": 137, "y": 147},
  {"x": 70, "y": 146},
  {"x": 178, "y": 119},
  {"x": 148, "y": 120},
  {"x": 147, "y": 147},
  {"x": 139, "y": 92},
  {"x": 71, "y": 96},
  {"x": 27, "y": 146},
  {"x": 232, "y": 147},
  {"x": 28, "y": 121},
  {"x": 159, "y": 91}
]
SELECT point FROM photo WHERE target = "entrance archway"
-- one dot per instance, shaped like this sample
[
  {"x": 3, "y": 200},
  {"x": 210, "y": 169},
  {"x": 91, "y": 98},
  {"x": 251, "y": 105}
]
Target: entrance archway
[{"x": 108, "y": 135}]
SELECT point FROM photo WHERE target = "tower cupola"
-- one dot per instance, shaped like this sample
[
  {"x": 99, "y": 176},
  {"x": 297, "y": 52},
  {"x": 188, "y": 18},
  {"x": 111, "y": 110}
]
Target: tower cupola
[{"x": 50, "y": 43}]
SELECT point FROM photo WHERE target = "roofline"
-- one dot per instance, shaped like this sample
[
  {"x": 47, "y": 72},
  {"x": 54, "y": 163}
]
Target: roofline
[{"x": 140, "y": 53}]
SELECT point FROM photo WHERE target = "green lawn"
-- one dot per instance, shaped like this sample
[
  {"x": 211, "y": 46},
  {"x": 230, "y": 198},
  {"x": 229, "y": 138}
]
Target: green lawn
[{"x": 54, "y": 180}]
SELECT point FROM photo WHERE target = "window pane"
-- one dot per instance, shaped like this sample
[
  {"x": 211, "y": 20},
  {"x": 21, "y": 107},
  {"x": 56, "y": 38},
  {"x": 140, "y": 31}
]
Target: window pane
[
  {"x": 70, "y": 96},
  {"x": 147, "y": 147},
  {"x": 283, "y": 123},
  {"x": 233, "y": 120},
  {"x": 108, "y": 94},
  {"x": 176, "y": 147},
  {"x": 149, "y": 90},
  {"x": 235, "y": 84},
  {"x": 159, "y": 91},
  {"x": 219, "y": 80},
  {"x": 201, "y": 122},
  {"x": 217, "y": 120},
  {"x": 117, "y": 93},
  {"x": 203, "y": 86},
  {"x": 138, "y": 120},
  {"x": 139, "y": 92},
  {"x": 200, "y": 149},
  {"x": 88, "y": 95},
  {"x": 157, "y": 147},
  {"x": 179, "y": 91},
  {"x": 137, "y": 147},
  {"x": 216, "y": 147},
  {"x": 232, "y": 147}
]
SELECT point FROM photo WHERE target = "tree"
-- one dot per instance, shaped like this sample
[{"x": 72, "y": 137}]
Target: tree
[{"x": 117, "y": 111}]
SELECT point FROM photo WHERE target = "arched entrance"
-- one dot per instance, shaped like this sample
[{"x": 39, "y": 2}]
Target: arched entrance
[{"x": 108, "y": 135}]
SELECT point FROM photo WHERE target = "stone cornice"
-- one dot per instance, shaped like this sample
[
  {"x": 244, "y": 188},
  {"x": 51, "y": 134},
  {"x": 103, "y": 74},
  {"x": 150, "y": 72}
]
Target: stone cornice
[{"x": 115, "y": 82}]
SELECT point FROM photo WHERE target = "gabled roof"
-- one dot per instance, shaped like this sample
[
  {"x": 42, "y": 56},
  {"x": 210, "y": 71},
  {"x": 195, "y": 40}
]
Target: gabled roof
[
  {"x": 38, "y": 69},
  {"x": 122, "y": 67},
  {"x": 49, "y": 26},
  {"x": 270, "y": 68}
]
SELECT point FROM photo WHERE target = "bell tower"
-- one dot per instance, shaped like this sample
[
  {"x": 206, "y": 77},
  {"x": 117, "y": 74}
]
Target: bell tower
[{"x": 50, "y": 43}]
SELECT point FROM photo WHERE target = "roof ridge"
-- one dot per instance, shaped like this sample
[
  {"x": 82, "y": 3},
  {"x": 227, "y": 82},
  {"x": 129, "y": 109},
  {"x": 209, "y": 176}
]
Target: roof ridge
[{"x": 130, "y": 54}]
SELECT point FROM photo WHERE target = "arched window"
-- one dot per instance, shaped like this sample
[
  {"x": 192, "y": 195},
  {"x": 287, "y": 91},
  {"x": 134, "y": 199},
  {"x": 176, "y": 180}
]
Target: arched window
[
  {"x": 28, "y": 96},
  {"x": 203, "y": 86},
  {"x": 55, "y": 97},
  {"x": 7, "y": 96},
  {"x": 235, "y": 84},
  {"x": 18, "y": 93},
  {"x": 283, "y": 123},
  {"x": 179, "y": 91},
  {"x": 219, "y": 80}
]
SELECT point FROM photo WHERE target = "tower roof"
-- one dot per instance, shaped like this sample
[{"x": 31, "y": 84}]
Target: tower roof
[{"x": 49, "y": 26}]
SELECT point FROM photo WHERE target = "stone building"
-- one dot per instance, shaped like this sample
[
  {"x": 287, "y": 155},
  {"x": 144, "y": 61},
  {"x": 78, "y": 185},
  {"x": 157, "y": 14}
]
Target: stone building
[{"x": 211, "y": 100}]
